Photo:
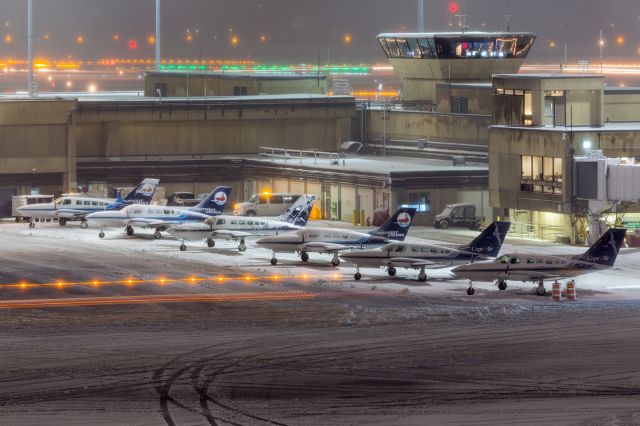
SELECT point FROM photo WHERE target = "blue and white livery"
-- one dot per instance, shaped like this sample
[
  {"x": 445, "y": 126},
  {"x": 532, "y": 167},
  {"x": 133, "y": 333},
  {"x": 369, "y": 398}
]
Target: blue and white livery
[
  {"x": 161, "y": 218},
  {"x": 77, "y": 207},
  {"x": 333, "y": 241},
  {"x": 237, "y": 228}
]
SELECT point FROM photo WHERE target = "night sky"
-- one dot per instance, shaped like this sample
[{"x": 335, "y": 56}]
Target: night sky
[{"x": 300, "y": 31}]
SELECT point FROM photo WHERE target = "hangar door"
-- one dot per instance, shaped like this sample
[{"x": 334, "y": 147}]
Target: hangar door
[{"x": 5, "y": 201}]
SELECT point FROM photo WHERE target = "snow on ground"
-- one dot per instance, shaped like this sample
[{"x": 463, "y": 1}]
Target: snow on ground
[{"x": 620, "y": 283}]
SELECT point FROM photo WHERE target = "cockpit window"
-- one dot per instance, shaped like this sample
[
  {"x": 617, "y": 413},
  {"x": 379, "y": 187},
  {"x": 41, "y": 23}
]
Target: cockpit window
[
  {"x": 515, "y": 261},
  {"x": 220, "y": 222}
]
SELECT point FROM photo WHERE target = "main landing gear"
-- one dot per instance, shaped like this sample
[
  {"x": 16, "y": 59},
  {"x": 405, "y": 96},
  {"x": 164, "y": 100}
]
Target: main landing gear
[
  {"x": 541, "y": 291},
  {"x": 32, "y": 224},
  {"x": 84, "y": 224},
  {"x": 62, "y": 221},
  {"x": 358, "y": 275},
  {"x": 336, "y": 260},
  {"x": 391, "y": 271},
  {"x": 502, "y": 285},
  {"x": 129, "y": 230},
  {"x": 157, "y": 234},
  {"x": 422, "y": 276},
  {"x": 211, "y": 242},
  {"x": 101, "y": 234},
  {"x": 242, "y": 247},
  {"x": 471, "y": 291},
  {"x": 304, "y": 256}
]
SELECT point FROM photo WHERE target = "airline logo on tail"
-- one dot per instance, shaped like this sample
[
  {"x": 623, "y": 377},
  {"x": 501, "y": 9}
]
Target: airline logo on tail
[
  {"x": 404, "y": 220},
  {"x": 220, "y": 198},
  {"x": 146, "y": 189}
]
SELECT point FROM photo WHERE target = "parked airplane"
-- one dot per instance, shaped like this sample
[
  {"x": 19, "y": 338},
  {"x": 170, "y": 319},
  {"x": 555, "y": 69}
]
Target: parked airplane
[
  {"x": 161, "y": 218},
  {"x": 538, "y": 267},
  {"x": 333, "y": 241},
  {"x": 421, "y": 256},
  {"x": 238, "y": 228},
  {"x": 77, "y": 207}
]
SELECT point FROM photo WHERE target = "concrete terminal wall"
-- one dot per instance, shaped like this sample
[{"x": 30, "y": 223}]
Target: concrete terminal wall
[
  {"x": 413, "y": 125},
  {"x": 622, "y": 107},
  {"x": 150, "y": 131}
]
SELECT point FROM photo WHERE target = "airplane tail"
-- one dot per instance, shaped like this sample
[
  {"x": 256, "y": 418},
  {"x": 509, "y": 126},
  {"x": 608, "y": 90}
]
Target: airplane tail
[
  {"x": 215, "y": 202},
  {"x": 298, "y": 213},
  {"x": 143, "y": 193},
  {"x": 605, "y": 250},
  {"x": 397, "y": 226},
  {"x": 489, "y": 242}
]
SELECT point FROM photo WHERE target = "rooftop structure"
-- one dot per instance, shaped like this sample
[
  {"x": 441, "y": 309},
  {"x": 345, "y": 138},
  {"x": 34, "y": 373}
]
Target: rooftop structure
[{"x": 424, "y": 59}]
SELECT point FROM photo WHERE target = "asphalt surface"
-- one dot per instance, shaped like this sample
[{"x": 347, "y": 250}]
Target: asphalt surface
[{"x": 293, "y": 345}]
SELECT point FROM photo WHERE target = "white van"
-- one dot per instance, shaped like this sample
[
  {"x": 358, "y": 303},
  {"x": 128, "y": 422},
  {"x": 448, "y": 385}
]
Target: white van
[{"x": 265, "y": 204}]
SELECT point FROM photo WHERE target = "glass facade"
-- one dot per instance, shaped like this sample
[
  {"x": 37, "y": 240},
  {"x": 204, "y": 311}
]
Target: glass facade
[
  {"x": 541, "y": 174},
  {"x": 457, "y": 47}
]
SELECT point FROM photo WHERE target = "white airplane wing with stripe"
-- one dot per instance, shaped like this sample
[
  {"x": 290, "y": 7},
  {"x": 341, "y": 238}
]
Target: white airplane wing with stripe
[{"x": 322, "y": 247}]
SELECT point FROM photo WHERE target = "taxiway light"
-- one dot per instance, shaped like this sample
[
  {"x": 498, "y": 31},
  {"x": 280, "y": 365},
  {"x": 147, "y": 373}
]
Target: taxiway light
[{"x": 220, "y": 279}]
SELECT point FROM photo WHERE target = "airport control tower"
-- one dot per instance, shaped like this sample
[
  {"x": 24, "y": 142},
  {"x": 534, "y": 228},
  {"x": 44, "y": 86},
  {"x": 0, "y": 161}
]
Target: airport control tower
[{"x": 423, "y": 60}]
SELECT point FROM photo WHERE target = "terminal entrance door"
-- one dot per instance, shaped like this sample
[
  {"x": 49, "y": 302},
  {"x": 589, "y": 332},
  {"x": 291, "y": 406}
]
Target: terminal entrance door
[{"x": 5, "y": 201}]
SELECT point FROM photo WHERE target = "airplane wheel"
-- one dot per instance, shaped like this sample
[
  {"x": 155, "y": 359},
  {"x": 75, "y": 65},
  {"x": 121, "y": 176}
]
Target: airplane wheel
[
  {"x": 62, "y": 221},
  {"x": 101, "y": 234},
  {"x": 358, "y": 276},
  {"x": 502, "y": 285},
  {"x": 335, "y": 261},
  {"x": 274, "y": 261},
  {"x": 129, "y": 231},
  {"x": 422, "y": 277},
  {"x": 242, "y": 248},
  {"x": 392, "y": 271},
  {"x": 157, "y": 235},
  {"x": 32, "y": 225},
  {"x": 211, "y": 243},
  {"x": 541, "y": 291},
  {"x": 183, "y": 248},
  {"x": 304, "y": 256},
  {"x": 471, "y": 291},
  {"x": 84, "y": 224}
]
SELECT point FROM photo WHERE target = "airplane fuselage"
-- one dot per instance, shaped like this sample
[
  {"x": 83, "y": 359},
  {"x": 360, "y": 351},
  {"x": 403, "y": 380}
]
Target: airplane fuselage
[
  {"x": 68, "y": 207},
  {"x": 238, "y": 225},
  {"x": 291, "y": 241}
]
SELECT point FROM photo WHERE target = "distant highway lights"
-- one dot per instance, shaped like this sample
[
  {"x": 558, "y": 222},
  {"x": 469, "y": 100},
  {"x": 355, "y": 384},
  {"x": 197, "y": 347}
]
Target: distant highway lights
[{"x": 92, "y": 88}]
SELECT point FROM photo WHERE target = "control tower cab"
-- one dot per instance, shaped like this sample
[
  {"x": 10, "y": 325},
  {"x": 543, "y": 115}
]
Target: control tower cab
[{"x": 423, "y": 60}]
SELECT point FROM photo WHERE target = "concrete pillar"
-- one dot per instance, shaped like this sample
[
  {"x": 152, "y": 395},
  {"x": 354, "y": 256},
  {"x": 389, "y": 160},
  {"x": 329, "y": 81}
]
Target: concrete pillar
[{"x": 70, "y": 183}]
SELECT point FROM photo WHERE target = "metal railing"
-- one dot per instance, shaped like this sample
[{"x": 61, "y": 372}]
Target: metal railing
[{"x": 287, "y": 154}]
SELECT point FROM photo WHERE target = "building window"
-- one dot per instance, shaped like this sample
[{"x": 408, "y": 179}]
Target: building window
[
  {"x": 240, "y": 91},
  {"x": 528, "y": 109},
  {"x": 418, "y": 200},
  {"x": 459, "y": 105},
  {"x": 541, "y": 174}
]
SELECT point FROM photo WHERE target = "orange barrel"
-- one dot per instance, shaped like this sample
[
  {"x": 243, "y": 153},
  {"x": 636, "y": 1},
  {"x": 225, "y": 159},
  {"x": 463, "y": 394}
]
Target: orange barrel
[
  {"x": 556, "y": 293},
  {"x": 571, "y": 291}
]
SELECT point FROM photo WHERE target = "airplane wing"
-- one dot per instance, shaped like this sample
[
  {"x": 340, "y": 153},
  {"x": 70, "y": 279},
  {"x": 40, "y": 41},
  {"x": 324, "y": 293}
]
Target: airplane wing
[
  {"x": 322, "y": 247},
  {"x": 70, "y": 213},
  {"x": 407, "y": 262},
  {"x": 228, "y": 234},
  {"x": 141, "y": 222}
]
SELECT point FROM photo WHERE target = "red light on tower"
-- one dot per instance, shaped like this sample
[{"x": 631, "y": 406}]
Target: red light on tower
[
  {"x": 453, "y": 7},
  {"x": 133, "y": 45}
]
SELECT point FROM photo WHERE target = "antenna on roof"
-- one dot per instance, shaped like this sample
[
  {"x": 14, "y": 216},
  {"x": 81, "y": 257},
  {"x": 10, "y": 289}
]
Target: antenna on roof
[
  {"x": 508, "y": 16},
  {"x": 465, "y": 20}
]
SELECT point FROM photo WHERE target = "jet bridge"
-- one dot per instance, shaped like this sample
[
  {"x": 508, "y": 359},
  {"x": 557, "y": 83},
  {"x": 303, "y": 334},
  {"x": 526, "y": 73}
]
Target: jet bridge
[{"x": 608, "y": 185}]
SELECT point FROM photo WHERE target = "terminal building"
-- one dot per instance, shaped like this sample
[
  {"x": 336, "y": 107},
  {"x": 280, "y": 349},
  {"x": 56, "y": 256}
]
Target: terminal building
[{"x": 474, "y": 130}]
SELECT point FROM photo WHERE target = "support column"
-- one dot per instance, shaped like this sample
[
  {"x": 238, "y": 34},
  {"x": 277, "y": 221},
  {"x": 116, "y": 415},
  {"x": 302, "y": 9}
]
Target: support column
[
  {"x": 420, "y": 16},
  {"x": 30, "y": 79},
  {"x": 158, "y": 47}
]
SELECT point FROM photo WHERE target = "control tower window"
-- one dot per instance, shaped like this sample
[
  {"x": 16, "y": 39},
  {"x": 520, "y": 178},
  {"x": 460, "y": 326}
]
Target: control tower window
[
  {"x": 385, "y": 47},
  {"x": 428, "y": 48},
  {"x": 404, "y": 48},
  {"x": 393, "y": 48},
  {"x": 414, "y": 48}
]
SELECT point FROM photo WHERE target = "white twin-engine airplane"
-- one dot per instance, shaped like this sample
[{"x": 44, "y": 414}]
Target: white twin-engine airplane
[
  {"x": 161, "y": 218},
  {"x": 333, "y": 241},
  {"x": 237, "y": 228},
  {"x": 78, "y": 207},
  {"x": 540, "y": 267},
  {"x": 421, "y": 256}
]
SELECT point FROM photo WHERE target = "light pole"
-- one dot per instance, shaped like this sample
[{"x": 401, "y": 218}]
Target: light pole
[
  {"x": 420, "y": 16},
  {"x": 158, "y": 51},
  {"x": 30, "y": 79}
]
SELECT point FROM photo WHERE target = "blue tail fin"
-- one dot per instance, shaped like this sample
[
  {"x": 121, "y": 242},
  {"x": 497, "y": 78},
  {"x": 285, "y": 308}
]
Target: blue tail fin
[
  {"x": 298, "y": 213},
  {"x": 143, "y": 193},
  {"x": 489, "y": 242},
  {"x": 215, "y": 202},
  {"x": 605, "y": 250},
  {"x": 397, "y": 226}
]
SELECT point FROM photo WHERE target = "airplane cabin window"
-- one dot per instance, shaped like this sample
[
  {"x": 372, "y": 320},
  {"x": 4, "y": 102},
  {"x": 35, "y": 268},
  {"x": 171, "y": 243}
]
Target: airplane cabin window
[
  {"x": 66, "y": 202},
  {"x": 234, "y": 222},
  {"x": 137, "y": 211},
  {"x": 515, "y": 261},
  {"x": 425, "y": 249},
  {"x": 221, "y": 222},
  {"x": 530, "y": 261},
  {"x": 167, "y": 212},
  {"x": 250, "y": 222},
  {"x": 415, "y": 249},
  {"x": 549, "y": 262},
  {"x": 94, "y": 203},
  {"x": 242, "y": 222},
  {"x": 87, "y": 203}
]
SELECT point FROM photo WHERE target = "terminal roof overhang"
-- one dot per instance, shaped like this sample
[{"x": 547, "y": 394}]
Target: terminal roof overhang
[{"x": 459, "y": 34}]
